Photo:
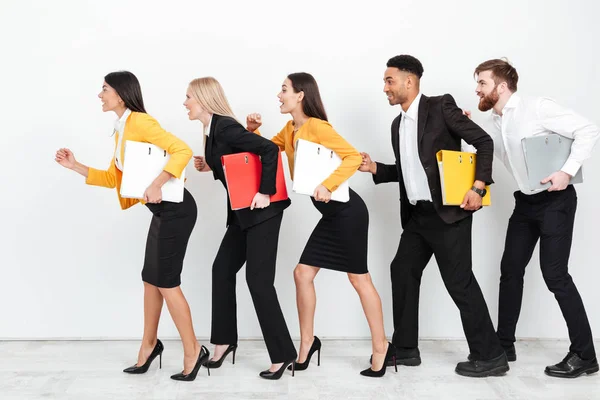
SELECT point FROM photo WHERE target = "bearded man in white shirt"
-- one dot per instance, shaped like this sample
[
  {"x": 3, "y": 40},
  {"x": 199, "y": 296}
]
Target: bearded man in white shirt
[{"x": 545, "y": 214}]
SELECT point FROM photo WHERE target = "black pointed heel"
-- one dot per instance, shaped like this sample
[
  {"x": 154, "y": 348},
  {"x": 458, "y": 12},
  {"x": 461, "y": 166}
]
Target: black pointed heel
[
  {"x": 217, "y": 363},
  {"x": 390, "y": 354},
  {"x": 314, "y": 347},
  {"x": 156, "y": 352},
  {"x": 202, "y": 360},
  {"x": 277, "y": 374}
]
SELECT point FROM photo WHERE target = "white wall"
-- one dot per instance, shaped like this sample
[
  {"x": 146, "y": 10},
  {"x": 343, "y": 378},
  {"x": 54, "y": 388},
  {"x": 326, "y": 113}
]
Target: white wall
[{"x": 71, "y": 259}]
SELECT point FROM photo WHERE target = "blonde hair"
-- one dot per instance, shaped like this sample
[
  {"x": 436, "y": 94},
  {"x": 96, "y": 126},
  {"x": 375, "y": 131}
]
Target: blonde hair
[{"x": 210, "y": 94}]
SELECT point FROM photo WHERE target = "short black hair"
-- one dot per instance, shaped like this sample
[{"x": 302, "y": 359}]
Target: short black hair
[{"x": 406, "y": 63}]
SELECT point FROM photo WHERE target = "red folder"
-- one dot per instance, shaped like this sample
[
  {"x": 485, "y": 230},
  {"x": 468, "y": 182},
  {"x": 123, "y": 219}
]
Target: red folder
[{"x": 243, "y": 172}]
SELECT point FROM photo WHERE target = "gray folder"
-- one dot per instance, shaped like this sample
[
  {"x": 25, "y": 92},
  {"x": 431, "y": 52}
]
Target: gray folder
[{"x": 546, "y": 154}]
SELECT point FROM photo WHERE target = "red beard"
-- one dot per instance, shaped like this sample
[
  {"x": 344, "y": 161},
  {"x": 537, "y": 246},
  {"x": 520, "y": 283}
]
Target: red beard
[{"x": 488, "y": 101}]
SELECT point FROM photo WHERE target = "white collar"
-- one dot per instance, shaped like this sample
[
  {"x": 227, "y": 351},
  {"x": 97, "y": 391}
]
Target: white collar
[
  {"x": 120, "y": 123},
  {"x": 207, "y": 130},
  {"x": 513, "y": 102},
  {"x": 413, "y": 110}
]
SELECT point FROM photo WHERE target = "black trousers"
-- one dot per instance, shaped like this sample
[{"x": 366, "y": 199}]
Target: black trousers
[
  {"x": 426, "y": 234},
  {"x": 257, "y": 247},
  {"x": 549, "y": 217}
]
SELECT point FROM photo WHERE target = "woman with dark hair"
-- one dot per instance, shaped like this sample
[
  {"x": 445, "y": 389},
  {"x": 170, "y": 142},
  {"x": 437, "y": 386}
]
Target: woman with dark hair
[
  {"x": 339, "y": 241},
  {"x": 171, "y": 225}
]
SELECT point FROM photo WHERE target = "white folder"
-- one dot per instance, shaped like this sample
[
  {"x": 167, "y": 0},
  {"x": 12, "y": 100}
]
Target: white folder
[
  {"x": 313, "y": 163},
  {"x": 546, "y": 154},
  {"x": 143, "y": 163}
]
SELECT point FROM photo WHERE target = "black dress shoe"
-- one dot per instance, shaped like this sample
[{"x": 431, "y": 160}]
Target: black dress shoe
[
  {"x": 479, "y": 369},
  {"x": 202, "y": 360},
  {"x": 572, "y": 366},
  {"x": 314, "y": 347},
  {"x": 511, "y": 354},
  {"x": 390, "y": 355},
  {"x": 157, "y": 351},
  {"x": 404, "y": 356},
  {"x": 232, "y": 348},
  {"x": 277, "y": 374}
]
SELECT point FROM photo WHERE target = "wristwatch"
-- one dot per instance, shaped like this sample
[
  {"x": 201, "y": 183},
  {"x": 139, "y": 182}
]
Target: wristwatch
[{"x": 481, "y": 192}]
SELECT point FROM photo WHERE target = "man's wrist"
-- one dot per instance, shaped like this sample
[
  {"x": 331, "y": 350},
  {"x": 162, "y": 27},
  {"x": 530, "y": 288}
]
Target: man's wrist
[
  {"x": 373, "y": 168},
  {"x": 479, "y": 185}
]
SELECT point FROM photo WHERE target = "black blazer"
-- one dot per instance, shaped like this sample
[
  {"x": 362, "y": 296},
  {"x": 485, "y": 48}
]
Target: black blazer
[
  {"x": 227, "y": 136},
  {"x": 441, "y": 125}
]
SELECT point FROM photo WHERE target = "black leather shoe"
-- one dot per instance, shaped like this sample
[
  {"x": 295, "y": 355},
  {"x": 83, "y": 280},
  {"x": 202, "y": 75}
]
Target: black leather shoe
[
  {"x": 572, "y": 366},
  {"x": 232, "y": 348},
  {"x": 408, "y": 357},
  {"x": 142, "y": 369},
  {"x": 511, "y": 354},
  {"x": 277, "y": 374},
  {"x": 479, "y": 369},
  {"x": 314, "y": 347}
]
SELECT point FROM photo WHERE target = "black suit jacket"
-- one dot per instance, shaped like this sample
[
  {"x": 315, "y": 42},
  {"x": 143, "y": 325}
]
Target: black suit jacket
[
  {"x": 440, "y": 126},
  {"x": 227, "y": 136}
]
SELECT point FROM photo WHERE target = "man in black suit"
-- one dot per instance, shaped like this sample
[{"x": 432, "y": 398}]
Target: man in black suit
[{"x": 425, "y": 126}]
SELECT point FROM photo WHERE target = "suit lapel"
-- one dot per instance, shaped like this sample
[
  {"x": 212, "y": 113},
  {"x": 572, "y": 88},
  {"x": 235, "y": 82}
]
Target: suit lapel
[
  {"x": 423, "y": 110},
  {"x": 210, "y": 140},
  {"x": 396, "y": 136}
]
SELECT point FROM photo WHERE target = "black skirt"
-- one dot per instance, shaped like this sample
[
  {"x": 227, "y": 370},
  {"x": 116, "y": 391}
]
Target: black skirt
[
  {"x": 170, "y": 230},
  {"x": 339, "y": 241}
]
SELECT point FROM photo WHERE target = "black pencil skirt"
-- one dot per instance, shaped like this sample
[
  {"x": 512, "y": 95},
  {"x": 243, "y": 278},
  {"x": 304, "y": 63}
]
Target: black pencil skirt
[
  {"x": 170, "y": 230},
  {"x": 339, "y": 241}
]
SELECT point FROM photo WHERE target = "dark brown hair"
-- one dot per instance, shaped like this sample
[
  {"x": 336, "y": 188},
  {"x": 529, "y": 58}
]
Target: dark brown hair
[
  {"x": 128, "y": 88},
  {"x": 501, "y": 71},
  {"x": 312, "y": 105}
]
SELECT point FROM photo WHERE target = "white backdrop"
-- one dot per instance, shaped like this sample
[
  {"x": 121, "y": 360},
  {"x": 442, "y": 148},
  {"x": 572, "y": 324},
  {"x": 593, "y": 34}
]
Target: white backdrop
[{"x": 71, "y": 259}]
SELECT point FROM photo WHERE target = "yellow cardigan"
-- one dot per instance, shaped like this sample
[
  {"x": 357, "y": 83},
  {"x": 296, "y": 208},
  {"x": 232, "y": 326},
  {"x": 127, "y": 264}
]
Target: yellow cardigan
[
  {"x": 318, "y": 131},
  {"x": 141, "y": 127}
]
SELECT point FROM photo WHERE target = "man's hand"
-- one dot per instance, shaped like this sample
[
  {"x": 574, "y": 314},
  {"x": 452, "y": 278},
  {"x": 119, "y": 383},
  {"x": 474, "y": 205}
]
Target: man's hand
[
  {"x": 472, "y": 200},
  {"x": 367, "y": 164},
  {"x": 560, "y": 180}
]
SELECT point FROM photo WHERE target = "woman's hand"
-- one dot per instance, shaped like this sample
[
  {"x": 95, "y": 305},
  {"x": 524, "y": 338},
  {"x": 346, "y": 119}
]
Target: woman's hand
[
  {"x": 200, "y": 164},
  {"x": 153, "y": 194},
  {"x": 322, "y": 194},
  {"x": 260, "y": 201},
  {"x": 65, "y": 158},
  {"x": 253, "y": 122}
]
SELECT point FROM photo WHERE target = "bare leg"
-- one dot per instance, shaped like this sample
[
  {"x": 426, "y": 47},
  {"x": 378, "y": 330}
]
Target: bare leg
[
  {"x": 371, "y": 304},
  {"x": 306, "y": 301},
  {"x": 153, "y": 302},
  {"x": 180, "y": 312}
]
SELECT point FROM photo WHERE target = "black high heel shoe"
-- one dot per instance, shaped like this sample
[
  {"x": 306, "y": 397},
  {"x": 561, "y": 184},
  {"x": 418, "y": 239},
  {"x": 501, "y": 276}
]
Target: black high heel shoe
[
  {"x": 157, "y": 351},
  {"x": 277, "y": 374},
  {"x": 390, "y": 354},
  {"x": 202, "y": 360},
  {"x": 315, "y": 346},
  {"x": 232, "y": 348}
]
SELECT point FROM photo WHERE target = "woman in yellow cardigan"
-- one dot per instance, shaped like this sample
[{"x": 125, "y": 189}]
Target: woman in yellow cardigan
[
  {"x": 339, "y": 241},
  {"x": 170, "y": 228}
]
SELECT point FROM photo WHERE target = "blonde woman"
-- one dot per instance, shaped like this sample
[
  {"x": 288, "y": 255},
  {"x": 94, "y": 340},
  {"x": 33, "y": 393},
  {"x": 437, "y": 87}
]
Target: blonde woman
[{"x": 252, "y": 233}]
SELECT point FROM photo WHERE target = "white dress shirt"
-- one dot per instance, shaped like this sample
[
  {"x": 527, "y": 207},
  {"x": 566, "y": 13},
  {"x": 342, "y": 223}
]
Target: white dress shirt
[
  {"x": 415, "y": 179},
  {"x": 119, "y": 129},
  {"x": 527, "y": 117},
  {"x": 207, "y": 129}
]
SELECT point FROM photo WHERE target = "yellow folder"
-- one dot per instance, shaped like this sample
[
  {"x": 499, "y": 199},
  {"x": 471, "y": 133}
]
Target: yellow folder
[{"x": 457, "y": 174}]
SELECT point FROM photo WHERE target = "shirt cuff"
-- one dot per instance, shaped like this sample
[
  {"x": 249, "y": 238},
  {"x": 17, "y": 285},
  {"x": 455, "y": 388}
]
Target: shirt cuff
[
  {"x": 571, "y": 167},
  {"x": 331, "y": 186}
]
